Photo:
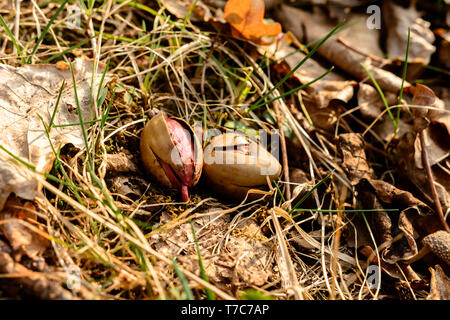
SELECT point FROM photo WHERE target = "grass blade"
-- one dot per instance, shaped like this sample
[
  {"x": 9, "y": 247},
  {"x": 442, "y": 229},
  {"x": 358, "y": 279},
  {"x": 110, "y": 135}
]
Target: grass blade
[
  {"x": 380, "y": 92},
  {"x": 13, "y": 40},
  {"x": 335, "y": 29},
  {"x": 47, "y": 27},
  {"x": 306, "y": 196},
  {"x": 292, "y": 91},
  {"x": 209, "y": 294},
  {"x": 184, "y": 283}
]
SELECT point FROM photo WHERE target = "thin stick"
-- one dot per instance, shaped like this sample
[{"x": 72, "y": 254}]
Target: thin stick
[
  {"x": 426, "y": 165},
  {"x": 284, "y": 154}
]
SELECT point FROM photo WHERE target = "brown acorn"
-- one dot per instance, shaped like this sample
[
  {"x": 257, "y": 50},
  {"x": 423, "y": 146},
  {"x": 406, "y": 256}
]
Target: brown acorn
[
  {"x": 172, "y": 153},
  {"x": 234, "y": 164}
]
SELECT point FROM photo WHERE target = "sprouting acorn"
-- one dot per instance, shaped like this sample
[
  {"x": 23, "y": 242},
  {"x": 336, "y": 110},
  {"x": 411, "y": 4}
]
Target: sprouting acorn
[
  {"x": 234, "y": 163},
  {"x": 172, "y": 153}
]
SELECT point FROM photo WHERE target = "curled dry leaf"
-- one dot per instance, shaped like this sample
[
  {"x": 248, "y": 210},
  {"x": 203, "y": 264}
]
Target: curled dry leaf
[
  {"x": 434, "y": 123},
  {"x": 439, "y": 285},
  {"x": 354, "y": 157},
  {"x": 246, "y": 20},
  {"x": 172, "y": 153},
  {"x": 318, "y": 25},
  {"x": 234, "y": 164},
  {"x": 378, "y": 194},
  {"x": 370, "y": 102},
  {"x": 22, "y": 239},
  {"x": 27, "y": 92},
  {"x": 399, "y": 19},
  {"x": 35, "y": 284}
]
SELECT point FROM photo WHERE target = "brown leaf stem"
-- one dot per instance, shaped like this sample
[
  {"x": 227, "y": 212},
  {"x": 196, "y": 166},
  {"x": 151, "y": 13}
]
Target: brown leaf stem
[{"x": 426, "y": 165}]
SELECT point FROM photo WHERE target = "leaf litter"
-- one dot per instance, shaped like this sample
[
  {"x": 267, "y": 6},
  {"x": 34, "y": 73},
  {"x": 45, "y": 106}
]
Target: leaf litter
[{"x": 356, "y": 189}]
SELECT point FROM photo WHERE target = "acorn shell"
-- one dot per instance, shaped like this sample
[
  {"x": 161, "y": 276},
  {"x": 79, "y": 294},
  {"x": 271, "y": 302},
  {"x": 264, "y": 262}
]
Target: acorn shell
[
  {"x": 156, "y": 143},
  {"x": 233, "y": 164}
]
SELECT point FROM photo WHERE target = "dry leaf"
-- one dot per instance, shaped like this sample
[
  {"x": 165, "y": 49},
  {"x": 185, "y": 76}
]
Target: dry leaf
[
  {"x": 22, "y": 239},
  {"x": 246, "y": 19},
  {"x": 331, "y": 87},
  {"x": 370, "y": 102},
  {"x": 318, "y": 25},
  {"x": 240, "y": 258},
  {"x": 180, "y": 8},
  {"x": 26, "y": 92},
  {"x": 439, "y": 285},
  {"x": 399, "y": 19},
  {"x": 437, "y": 132},
  {"x": 354, "y": 157}
]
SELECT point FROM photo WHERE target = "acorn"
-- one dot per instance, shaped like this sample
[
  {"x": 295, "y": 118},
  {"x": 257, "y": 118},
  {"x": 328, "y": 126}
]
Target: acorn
[
  {"x": 233, "y": 164},
  {"x": 172, "y": 153}
]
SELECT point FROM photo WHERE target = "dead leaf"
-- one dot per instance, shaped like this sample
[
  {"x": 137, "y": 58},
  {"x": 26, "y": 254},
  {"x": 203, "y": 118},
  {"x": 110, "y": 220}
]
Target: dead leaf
[
  {"x": 318, "y": 25},
  {"x": 246, "y": 19},
  {"x": 22, "y": 239},
  {"x": 354, "y": 157},
  {"x": 120, "y": 163},
  {"x": 434, "y": 123},
  {"x": 331, "y": 87},
  {"x": 444, "y": 49},
  {"x": 35, "y": 284},
  {"x": 180, "y": 8},
  {"x": 399, "y": 19},
  {"x": 370, "y": 102},
  {"x": 439, "y": 285},
  {"x": 240, "y": 258},
  {"x": 25, "y": 93}
]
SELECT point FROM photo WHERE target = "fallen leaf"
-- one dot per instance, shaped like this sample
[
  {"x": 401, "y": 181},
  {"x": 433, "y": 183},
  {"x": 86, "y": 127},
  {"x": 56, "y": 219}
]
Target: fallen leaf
[
  {"x": 434, "y": 123},
  {"x": 35, "y": 284},
  {"x": 180, "y": 9},
  {"x": 22, "y": 239},
  {"x": 246, "y": 20},
  {"x": 240, "y": 259},
  {"x": 331, "y": 87},
  {"x": 354, "y": 157},
  {"x": 318, "y": 25},
  {"x": 370, "y": 102},
  {"x": 439, "y": 285},
  {"x": 399, "y": 19},
  {"x": 27, "y": 92},
  {"x": 444, "y": 49}
]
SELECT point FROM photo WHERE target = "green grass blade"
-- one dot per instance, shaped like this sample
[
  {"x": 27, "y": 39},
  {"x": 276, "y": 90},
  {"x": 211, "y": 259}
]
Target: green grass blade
[
  {"x": 13, "y": 40},
  {"x": 306, "y": 196},
  {"x": 380, "y": 92},
  {"x": 292, "y": 91},
  {"x": 50, "y": 124},
  {"x": 47, "y": 27},
  {"x": 184, "y": 283},
  {"x": 335, "y": 29},
  {"x": 56, "y": 56},
  {"x": 209, "y": 294},
  {"x": 405, "y": 65}
]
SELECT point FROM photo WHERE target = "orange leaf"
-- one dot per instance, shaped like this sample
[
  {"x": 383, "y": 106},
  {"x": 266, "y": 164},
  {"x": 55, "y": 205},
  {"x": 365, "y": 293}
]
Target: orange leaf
[{"x": 246, "y": 20}]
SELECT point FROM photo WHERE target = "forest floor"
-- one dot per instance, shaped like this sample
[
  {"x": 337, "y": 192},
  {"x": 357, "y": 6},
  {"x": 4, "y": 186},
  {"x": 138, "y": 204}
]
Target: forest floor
[{"x": 351, "y": 97}]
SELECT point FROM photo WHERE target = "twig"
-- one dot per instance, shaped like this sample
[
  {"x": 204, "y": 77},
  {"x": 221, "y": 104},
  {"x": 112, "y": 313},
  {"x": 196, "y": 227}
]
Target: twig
[
  {"x": 426, "y": 165},
  {"x": 284, "y": 154}
]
